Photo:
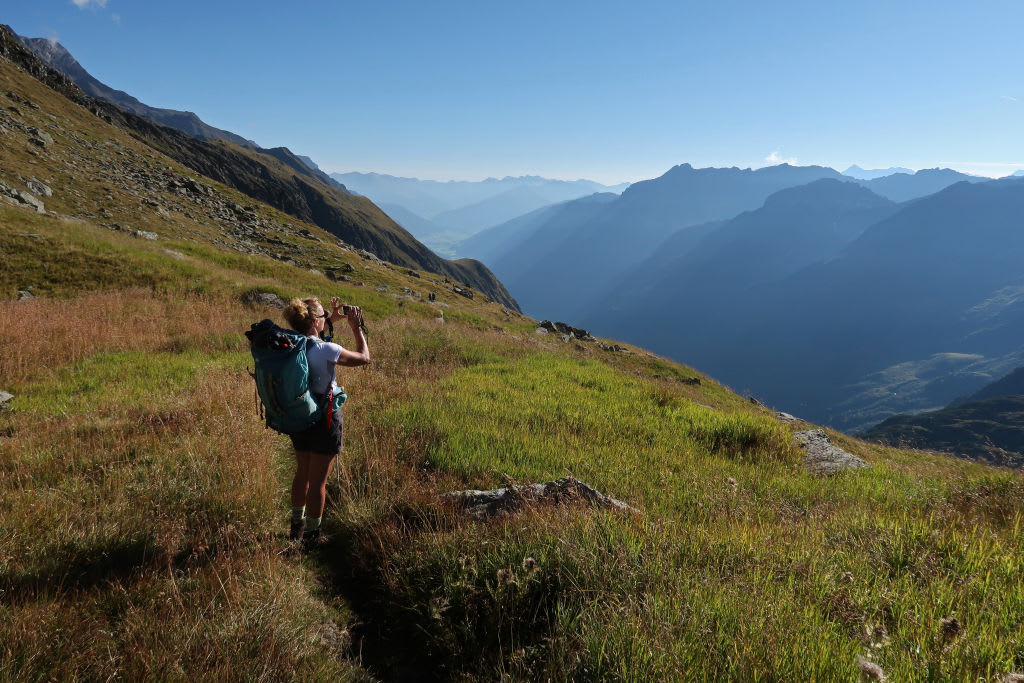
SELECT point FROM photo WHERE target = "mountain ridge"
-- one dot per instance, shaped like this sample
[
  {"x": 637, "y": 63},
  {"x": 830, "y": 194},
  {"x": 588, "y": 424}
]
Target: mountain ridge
[
  {"x": 288, "y": 184},
  {"x": 553, "y": 275}
]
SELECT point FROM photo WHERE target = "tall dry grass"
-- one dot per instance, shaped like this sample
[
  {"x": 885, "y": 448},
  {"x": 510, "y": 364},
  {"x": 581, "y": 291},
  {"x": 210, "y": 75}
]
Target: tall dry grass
[{"x": 41, "y": 334}]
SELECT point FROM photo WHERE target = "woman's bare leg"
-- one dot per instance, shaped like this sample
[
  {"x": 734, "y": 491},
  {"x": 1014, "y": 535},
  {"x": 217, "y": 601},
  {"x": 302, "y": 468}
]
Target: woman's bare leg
[
  {"x": 300, "y": 484},
  {"x": 318, "y": 468}
]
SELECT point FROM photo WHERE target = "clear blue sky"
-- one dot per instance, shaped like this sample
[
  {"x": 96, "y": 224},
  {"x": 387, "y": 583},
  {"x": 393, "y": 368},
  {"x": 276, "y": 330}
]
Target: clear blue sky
[{"x": 566, "y": 89}]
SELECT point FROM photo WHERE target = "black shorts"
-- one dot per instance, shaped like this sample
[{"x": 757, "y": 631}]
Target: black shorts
[{"x": 320, "y": 439}]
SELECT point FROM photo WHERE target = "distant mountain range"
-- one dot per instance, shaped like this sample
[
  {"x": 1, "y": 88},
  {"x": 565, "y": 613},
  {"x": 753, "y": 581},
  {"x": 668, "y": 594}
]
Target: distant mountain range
[
  {"x": 901, "y": 187},
  {"x": 859, "y": 173},
  {"x": 444, "y": 213},
  {"x": 692, "y": 293},
  {"x": 770, "y": 279},
  {"x": 561, "y": 263},
  {"x": 934, "y": 278}
]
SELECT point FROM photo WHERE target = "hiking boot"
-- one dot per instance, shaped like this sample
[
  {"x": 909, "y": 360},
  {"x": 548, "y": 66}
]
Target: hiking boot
[
  {"x": 313, "y": 539},
  {"x": 295, "y": 530}
]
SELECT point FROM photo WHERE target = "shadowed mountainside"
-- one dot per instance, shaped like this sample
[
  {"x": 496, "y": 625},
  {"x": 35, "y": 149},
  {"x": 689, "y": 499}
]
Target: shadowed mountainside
[
  {"x": 939, "y": 276},
  {"x": 990, "y": 431},
  {"x": 686, "y": 296}
]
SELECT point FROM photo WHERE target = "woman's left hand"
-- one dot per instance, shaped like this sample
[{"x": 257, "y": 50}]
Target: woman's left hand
[{"x": 336, "y": 310}]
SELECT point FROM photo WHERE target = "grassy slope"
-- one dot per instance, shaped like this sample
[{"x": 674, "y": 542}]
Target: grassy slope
[{"x": 142, "y": 504}]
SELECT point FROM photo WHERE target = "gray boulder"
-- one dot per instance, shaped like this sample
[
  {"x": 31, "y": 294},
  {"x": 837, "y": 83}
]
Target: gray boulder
[
  {"x": 565, "y": 329},
  {"x": 263, "y": 299},
  {"x": 821, "y": 456},
  {"x": 39, "y": 188},
  {"x": 504, "y": 501},
  {"x": 39, "y": 137},
  {"x": 29, "y": 199},
  {"x": 5, "y": 400}
]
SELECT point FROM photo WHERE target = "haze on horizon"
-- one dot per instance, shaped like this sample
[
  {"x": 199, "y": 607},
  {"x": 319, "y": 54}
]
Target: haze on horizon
[{"x": 595, "y": 90}]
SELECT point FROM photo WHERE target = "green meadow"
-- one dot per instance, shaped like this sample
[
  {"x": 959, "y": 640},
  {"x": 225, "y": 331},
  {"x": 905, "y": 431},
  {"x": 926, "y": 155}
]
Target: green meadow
[{"x": 143, "y": 505}]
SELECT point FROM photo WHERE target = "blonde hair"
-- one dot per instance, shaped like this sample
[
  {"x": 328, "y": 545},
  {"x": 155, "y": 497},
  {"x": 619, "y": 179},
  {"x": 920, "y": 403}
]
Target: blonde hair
[{"x": 299, "y": 314}]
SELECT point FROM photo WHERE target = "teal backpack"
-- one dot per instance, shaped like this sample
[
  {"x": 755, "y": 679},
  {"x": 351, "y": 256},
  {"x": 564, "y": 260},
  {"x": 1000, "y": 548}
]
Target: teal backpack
[{"x": 282, "y": 379}]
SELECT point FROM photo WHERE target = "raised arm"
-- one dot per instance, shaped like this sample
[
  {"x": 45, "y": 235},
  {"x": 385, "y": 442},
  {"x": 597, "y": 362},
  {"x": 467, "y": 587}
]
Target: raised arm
[{"x": 361, "y": 356}]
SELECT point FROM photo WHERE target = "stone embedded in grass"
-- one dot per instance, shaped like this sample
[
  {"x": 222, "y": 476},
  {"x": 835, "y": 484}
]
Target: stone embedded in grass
[
  {"x": 263, "y": 299},
  {"x": 567, "y": 331},
  {"x": 38, "y": 188},
  {"x": 146, "y": 235},
  {"x": 25, "y": 295},
  {"x": 21, "y": 197},
  {"x": 822, "y": 456},
  {"x": 786, "y": 418},
  {"x": 39, "y": 138},
  {"x": 513, "y": 498},
  {"x": 870, "y": 670},
  {"x": 5, "y": 400}
]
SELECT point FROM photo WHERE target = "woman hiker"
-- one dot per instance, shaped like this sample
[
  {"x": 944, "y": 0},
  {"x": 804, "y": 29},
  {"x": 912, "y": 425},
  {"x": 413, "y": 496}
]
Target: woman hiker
[{"x": 317, "y": 447}]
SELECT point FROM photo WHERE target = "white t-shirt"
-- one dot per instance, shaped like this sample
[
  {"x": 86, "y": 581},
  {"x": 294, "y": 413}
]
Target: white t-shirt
[{"x": 321, "y": 357}]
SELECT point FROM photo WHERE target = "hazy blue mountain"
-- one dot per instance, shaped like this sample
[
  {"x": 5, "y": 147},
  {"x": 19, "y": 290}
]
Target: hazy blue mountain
[
  {"x": 859, "y": 173},
  {"x": 1017, "y": 174},
  {"x": 440, "y": 239},
  {"x": 941, "y": 277},
  {"x": 571, "y": 258},
  {"x": 469, "y": 206},
  {"x": 471, "y": 219},
  {"x": 901, "y": 187},
  {"x": 686, "y": 297},
  {"x": 493, "y": 243}
]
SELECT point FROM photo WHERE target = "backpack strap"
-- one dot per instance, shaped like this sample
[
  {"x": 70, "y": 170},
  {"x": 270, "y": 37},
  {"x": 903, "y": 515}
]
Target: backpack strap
[{"x": 330, "y": 407}]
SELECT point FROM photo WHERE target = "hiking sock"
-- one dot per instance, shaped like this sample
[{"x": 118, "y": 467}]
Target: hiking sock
[
  {"x": 313, "y": 523},
  {"x": 298, "y": 514}
]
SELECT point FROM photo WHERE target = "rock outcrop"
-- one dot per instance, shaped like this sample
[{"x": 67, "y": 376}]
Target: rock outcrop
[
  {"x": 822, "y": 456},
  {"x": 567, "y": 490}
]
